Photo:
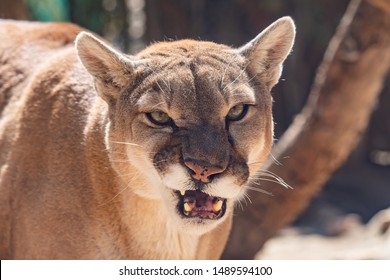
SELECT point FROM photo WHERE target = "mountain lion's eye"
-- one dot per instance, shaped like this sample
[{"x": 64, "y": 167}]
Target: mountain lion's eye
[
  {"x": 237, "y": 112},
  {"x": 159, "y": 118}
]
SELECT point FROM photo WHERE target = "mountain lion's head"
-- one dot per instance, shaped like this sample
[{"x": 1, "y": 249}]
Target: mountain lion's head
[{"x": 190, "y": 120}]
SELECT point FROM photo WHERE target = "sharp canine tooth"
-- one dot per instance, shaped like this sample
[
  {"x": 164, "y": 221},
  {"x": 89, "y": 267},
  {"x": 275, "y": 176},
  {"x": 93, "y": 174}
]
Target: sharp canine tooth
[
  {"x": 182, "y": 192},
  {"x": 217, "y": 205},
  {"x": 187, "y": 207}
]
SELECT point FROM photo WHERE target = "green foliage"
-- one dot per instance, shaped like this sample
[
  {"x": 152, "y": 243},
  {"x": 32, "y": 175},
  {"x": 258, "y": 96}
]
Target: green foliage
[
  {"x": 48, "y": 10},
  {"x": 87, "y": 13}
]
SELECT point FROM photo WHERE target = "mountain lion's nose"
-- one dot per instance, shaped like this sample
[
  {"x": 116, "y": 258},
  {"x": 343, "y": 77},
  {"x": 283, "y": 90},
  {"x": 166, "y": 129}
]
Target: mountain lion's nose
[{"x": 202, "y": 172}]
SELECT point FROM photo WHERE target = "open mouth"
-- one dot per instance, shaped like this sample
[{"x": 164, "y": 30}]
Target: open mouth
[{"x": 198, "y": 204}]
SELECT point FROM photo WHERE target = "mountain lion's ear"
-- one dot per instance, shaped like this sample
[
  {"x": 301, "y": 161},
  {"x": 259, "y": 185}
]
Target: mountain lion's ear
[
  {"x": 110, "y": 68},
  {"x": 266, "y": 53}
]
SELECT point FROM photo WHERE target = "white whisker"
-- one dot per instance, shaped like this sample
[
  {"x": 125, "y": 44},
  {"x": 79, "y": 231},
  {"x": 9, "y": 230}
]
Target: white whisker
[
  {"x": 256, "y": 163},
  {"x": 246, "y": 195},
  {"x": 224, "y": 73},
  {"x": 125, "y": 143},
  {"x": 275, "y": 160},
  {"x": 237, "y": 87},
  {"x": 282, "y": 183},
  {"x": 260, "y": 190},
  {"x": 158, "y": 104},
  {"x": 246, "y": 199},
  {"x": 125, "y": 175},
  {"x": 118, "y": 153},
  {"x": 240, "y": 203},
  {"x": 158, "y": 75},
  {"x": 239, "y": 75},
  {"x": 120, "y": 192},
  {"x": 124, "y": 161}
]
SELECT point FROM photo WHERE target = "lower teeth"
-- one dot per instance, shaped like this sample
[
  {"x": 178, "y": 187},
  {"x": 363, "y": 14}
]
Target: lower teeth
[
  {"x": 217, "y": 205},
  {"x": 208, "y": 206}
]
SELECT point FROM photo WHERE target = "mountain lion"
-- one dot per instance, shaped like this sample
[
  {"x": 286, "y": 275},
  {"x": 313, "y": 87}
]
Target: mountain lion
[{"x": 105, "y": 155}]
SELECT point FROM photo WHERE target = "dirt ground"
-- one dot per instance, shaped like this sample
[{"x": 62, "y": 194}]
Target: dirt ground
[{"x": 347, "y": 238}]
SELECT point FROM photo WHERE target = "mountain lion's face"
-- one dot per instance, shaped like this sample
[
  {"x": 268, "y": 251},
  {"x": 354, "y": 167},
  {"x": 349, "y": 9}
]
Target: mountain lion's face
[{"x": 190, "y": 120}]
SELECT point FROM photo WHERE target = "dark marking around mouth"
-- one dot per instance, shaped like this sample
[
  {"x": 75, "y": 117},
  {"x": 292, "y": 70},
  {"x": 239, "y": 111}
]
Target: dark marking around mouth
[{"x": 197, "y": 204}]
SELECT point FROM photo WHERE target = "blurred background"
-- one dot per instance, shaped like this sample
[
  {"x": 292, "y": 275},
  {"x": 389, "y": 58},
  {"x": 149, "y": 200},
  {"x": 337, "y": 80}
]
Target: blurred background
[{"x": 361, "y": 187}]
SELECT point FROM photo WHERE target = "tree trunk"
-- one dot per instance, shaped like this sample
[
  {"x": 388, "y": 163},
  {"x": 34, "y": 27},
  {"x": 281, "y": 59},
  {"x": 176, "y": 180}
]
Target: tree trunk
[
  {"x": 13, "y": 9},
  {"x": 322, "y": 136}
]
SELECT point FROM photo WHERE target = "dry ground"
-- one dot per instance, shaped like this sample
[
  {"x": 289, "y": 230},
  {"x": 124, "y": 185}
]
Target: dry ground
[{"x": 354, "y": 241}]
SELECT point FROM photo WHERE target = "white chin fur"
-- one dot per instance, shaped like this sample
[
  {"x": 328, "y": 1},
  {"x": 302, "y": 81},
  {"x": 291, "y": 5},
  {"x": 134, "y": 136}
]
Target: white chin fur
[
  {"x": 225, "y": 187},
  {"x": 176, "y": 177}
]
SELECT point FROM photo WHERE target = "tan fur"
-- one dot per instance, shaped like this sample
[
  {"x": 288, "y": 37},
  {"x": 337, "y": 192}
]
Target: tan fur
[{"x": 85, "y": 175}]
